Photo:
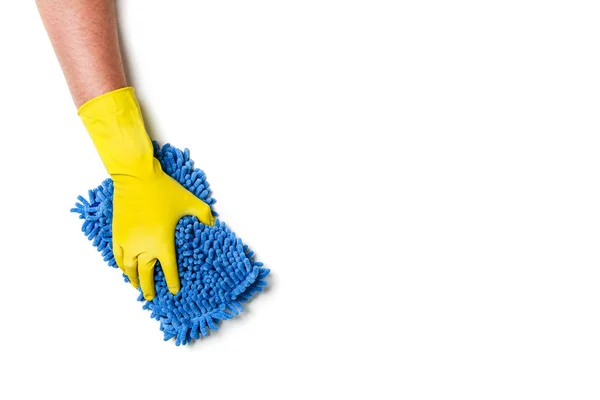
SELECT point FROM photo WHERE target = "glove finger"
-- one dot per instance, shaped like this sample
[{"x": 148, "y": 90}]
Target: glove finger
[
  {"x": 130, "y": 264},
  {"x": 118, "y": 253},
  {"x": 168, "y": 261},
  {"x": 201, "y": 210},
  {"x": 146, "y": 270}
]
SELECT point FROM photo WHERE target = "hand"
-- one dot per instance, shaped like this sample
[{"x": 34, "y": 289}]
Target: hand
[
  {"x": 147, "y": 203},
  {"x": 145, "y": 213}
]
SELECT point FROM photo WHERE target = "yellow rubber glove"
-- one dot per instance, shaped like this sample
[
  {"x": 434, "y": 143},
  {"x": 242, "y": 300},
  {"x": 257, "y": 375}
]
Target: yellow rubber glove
[{"x": 147, "y": 203}]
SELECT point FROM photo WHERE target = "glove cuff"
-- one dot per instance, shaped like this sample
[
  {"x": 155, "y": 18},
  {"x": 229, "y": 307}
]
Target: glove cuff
[{"x": 115, "y": 124}]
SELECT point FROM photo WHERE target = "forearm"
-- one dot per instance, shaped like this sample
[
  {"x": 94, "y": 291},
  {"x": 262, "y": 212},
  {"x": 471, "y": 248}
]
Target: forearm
[{"x": 85, "y": 40}]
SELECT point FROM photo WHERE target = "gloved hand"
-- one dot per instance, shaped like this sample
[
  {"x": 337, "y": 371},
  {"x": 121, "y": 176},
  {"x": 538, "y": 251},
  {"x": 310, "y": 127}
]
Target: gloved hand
[{"x": 147, "y": 203}]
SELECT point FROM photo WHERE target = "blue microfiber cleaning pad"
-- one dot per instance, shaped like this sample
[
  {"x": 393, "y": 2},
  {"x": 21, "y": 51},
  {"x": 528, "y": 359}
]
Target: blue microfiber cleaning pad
[{"x": 217, "y": 271}]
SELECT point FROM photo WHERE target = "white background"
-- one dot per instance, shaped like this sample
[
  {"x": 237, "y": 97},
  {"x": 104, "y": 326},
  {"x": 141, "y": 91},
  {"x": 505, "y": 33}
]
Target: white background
[{"x": 421, "y": 177}]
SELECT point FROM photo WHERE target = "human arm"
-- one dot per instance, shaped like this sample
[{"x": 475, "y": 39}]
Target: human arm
[
  {"x": 85, "y": 39},
  {"x": 147, "y": 203}
]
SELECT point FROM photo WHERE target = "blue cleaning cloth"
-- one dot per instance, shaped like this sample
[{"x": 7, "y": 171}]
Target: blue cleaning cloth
[{"x": 217, "y": 271}]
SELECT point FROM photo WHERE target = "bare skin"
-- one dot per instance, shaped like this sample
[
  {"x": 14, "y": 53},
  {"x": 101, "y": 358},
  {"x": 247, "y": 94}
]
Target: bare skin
[{"x": 85, "y": 40}]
